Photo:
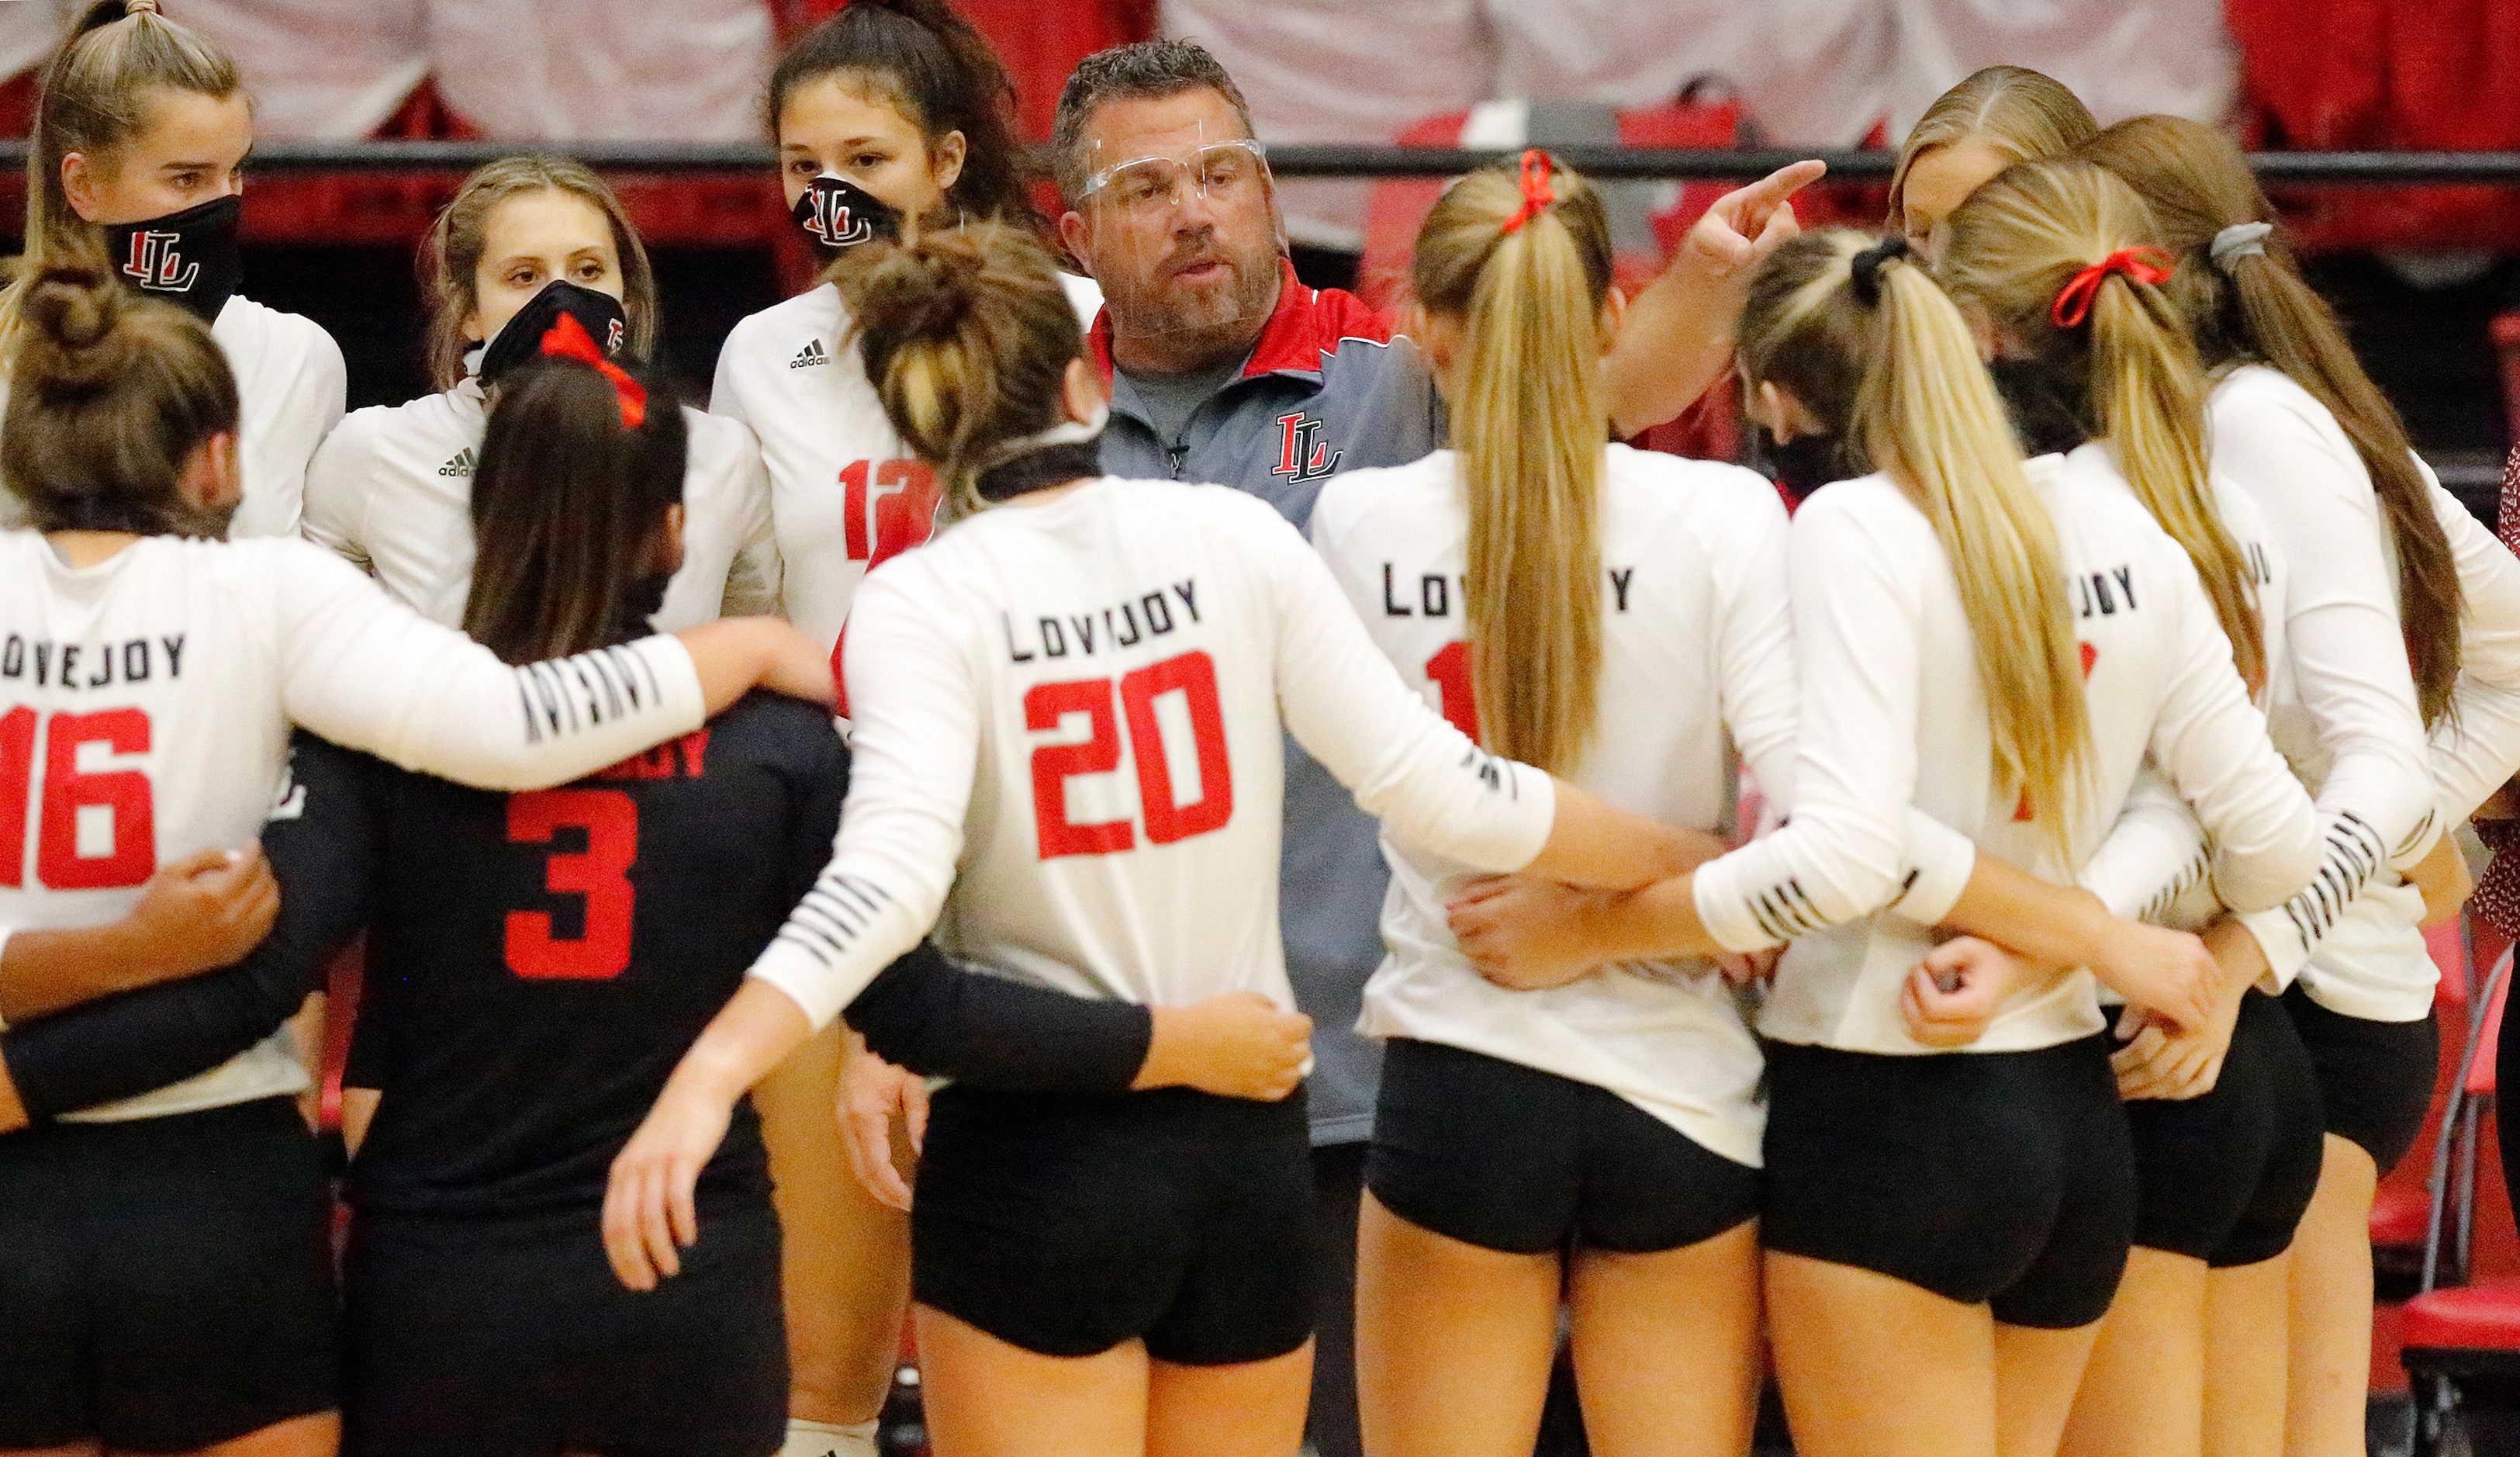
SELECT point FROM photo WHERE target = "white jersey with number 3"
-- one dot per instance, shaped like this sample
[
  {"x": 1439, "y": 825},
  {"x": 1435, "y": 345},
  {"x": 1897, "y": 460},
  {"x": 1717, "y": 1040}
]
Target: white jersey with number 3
[
  {"x": 1068, "y": 741},
  {"x": 146, "y": 704}
]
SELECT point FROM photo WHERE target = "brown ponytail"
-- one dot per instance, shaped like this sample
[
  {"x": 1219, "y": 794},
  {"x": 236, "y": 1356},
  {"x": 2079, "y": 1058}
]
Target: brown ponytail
[
  {"x": 111, "y": 397},
  {"x": 1530, "y": 414},
  {"x": 2014, "y": 246},
  {"x": 1867, "y": 343},
  {"x": 967, "y": 335},
  {"x": 2254, "y": 306},
  {"x": 569, "y": 512}
]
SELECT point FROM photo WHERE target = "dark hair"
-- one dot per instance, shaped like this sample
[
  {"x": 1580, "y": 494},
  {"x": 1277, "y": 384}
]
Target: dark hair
[
  {"x": 2254, "y": 306},
  {"x": 967, "y": 335},
  {"x": 93, "y": 97},
  {"x": 110, "y": 395},
  {"x": 930, "y": 64},
  {"x": 567, "y": 507},
  {"x": 1147, "y": 69},
  {"x": 451, "y": 254}
]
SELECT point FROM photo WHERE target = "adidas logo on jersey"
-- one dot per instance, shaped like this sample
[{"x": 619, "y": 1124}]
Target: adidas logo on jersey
[
  {"x": 462, "y": 464},
  {"x": 812, "y": 353}
]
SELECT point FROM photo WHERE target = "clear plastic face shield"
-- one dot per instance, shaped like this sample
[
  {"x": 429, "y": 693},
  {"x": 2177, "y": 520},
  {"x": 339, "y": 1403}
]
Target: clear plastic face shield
[{"x": 1181, "y": 230}]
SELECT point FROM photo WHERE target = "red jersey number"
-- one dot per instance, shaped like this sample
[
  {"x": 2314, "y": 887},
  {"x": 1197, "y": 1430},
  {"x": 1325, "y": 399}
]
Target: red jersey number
[
  {"x": 72, "y": 800},
  {"x": 890, "y": 507},
  {"x": 1193, "y": 676},
  {"x": 601, "y": 874},
  {"x": 1450, "y": 671}
]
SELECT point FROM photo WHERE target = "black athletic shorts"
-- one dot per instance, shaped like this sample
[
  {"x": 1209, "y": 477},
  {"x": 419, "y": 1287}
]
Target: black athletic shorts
[
  {"x": 1509, "y": 1158},
  {"x": 165, "y": 1284},
  {"x": 1998, "y": 1177},
  {"x": 509, "y": 1337},
  {"x": 1068, "y": 1223},
  {"x": 2225, "y": 1177},
  {"x": 2376, "y": 1078}
]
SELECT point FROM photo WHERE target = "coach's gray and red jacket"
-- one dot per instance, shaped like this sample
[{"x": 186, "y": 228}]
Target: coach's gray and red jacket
[{"x": 1328, "y": 388}]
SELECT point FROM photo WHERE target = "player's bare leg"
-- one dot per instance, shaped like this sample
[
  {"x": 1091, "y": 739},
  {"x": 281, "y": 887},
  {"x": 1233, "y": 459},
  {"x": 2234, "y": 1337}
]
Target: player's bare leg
[
  {"x": 2245, "y": 1354},
  {"x": 1248, "y": 1409},
  {"x": 987, "y": 1399},
  {"x": 1872, "y": 1366},
  {"x": 2331, "y": 1375},
  {"x": 2036, "y": 1373},
  {"x": 845, "y": 1258},
  {"x": 1667, "y": 1347},
  {"x": 316, "y": 1435},
  {"x": 2144, "y": 1392},
  {"x": 1453, "y": 1343}
]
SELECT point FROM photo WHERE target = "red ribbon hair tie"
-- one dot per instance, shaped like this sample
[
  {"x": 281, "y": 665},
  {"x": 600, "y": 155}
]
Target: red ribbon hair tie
[
  {"x": 1537, "y": 194},
  {"x": 2145, "y": 265},
  {"x": 569, "y": 339}
]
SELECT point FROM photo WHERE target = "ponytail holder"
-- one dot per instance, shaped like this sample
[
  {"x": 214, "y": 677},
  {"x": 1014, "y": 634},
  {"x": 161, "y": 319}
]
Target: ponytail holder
[
  {"x": 1868, "y": 265},
  {"x": 141, "y": 7},
  {"x": 2145, "y": 265},
  {"x": 2241, "y": 240},
  {"x": 1537, "y": 194},
  {"x": 569, "y": 339}
]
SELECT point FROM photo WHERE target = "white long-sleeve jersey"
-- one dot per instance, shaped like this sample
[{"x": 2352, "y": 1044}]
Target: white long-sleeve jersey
[
  {"x": 146, "y": 706},
  {"x": 1068, "y": 739},
  {"x": 845, "y": 493},
  {"x": 1893, "y": 716},
  {"x": 392, "y": 490},
  {"x": 290, "y": 386},
  {"x": 1695, "y": 641}
]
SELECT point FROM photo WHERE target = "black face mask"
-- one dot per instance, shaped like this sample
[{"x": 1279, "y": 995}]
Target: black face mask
[
  {"x": 520, "y": 339},
  {"x": 838, "y": 216},
  {"x": 1803, "y": 464},
  {"x": 2046, "y": 416},
  {"x": 187, "y": 258}
]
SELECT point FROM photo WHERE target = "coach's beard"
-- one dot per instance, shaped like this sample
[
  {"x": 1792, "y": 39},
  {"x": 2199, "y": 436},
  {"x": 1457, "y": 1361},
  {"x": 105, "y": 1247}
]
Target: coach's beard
[{"x": 1207, "y": 317}]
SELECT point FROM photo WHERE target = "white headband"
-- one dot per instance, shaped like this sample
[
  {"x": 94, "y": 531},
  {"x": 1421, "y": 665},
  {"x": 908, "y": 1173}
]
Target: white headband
[{"x": 2241, "y": 240}]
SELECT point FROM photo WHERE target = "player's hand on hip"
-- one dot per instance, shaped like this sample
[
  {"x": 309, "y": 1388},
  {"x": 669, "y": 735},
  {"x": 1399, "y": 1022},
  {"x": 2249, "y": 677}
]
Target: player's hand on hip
[
  {"x": 1235, "y": 1045},
  {"x": 1951, "y": 996},
  {"x": 205, "y": 911},
  {"x": 2167, "y": 972},
  {"x": 648, "y": 1211},
  {"x": 873, "y": 1094},
  {"x": 1524, "y": 934}
]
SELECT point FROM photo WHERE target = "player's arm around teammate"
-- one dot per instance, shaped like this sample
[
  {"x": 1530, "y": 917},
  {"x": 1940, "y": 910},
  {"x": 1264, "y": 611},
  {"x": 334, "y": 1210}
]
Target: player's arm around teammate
[
  {"x": 1600, "y": 1139},
  {"x": 982, "y": 365}
]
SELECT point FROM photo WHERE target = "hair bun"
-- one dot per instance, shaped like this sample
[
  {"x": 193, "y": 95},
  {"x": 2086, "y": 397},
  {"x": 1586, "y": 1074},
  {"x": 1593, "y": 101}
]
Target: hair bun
[
  {"x": 68, "y": 340},
  {"x": 919, "y": 289}
]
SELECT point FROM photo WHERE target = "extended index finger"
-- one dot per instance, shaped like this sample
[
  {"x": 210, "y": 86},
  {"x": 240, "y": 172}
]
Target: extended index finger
[{"x": 1779, "y": 185}]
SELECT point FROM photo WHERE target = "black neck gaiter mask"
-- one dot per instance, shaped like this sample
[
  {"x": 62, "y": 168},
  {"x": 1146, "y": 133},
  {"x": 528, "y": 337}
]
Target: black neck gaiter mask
[{"x": 187, "y": 258}]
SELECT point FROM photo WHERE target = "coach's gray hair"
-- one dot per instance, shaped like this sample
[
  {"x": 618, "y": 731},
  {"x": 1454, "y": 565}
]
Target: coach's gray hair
[{"x": 1147, "y": 69}]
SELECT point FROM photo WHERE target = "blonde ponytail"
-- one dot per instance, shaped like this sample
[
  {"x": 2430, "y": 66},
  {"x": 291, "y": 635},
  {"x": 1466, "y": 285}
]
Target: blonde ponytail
[
  {"x": 1526, "y": 265},
  {"x": 2015, "y": 248},
  {"x": 1867, "y": 343}
]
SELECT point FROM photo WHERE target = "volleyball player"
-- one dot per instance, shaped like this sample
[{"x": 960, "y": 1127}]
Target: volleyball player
[
  {"x": 2297, "y": 421},
  {"x": 1997, "y": 117},
  {"x": 163, "y": 1262},
  {"x": 1959, "y": 683},
  {"x": 525, "y": 241},
  {"x": 140, "y": 137},
  {"x": 887, "y": 112},
  {"x": 1609, "y": 612},
  {"x": 1075, "y": 694}
]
